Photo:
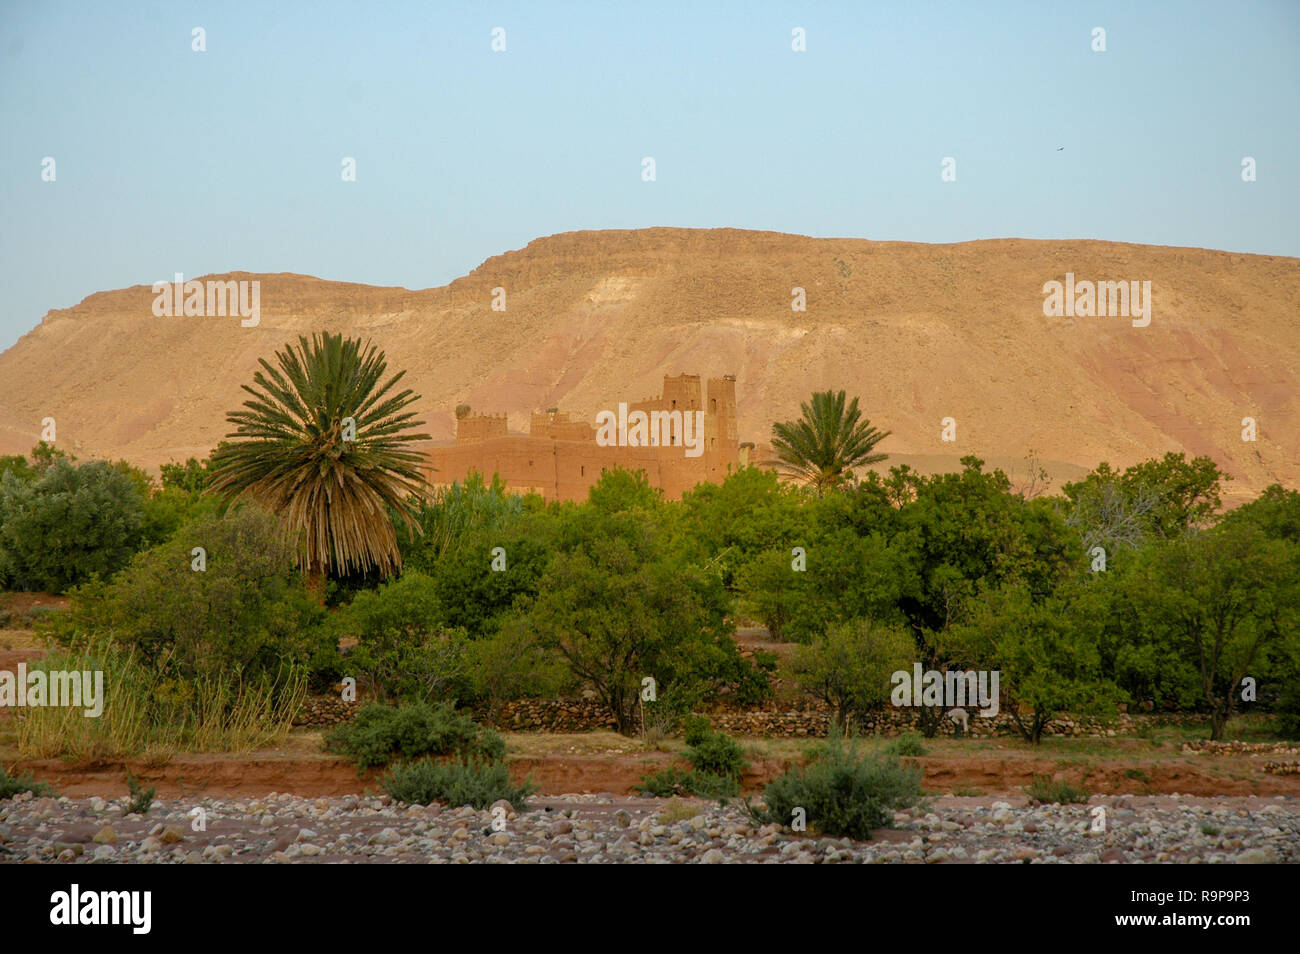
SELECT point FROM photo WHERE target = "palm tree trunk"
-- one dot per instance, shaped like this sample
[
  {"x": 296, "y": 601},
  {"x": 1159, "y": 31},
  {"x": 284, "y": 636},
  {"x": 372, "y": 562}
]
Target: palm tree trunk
[{"x": 316, "y": 583}]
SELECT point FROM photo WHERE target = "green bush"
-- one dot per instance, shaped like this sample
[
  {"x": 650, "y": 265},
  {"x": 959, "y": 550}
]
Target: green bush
[
  {"x": 474, "y": 781},
  {"x": 672, "y": 781},
  {"x": 141, "y": 797},
  {"x": 843, "y": 792},
  {"x": 717, "y": 754},
  {"x": 907, "y": 745},
  {"x": 381, "y": 734},
  {"x": 11, "y": 785},
  {"x": 71, "y": 523},
  {"x": 1288, "y": 712},
  {"x": 717, "y": 764},
  {"x": 245, "y": 614},
  {"x": 405, "y": 651},
  {"x": 1046, "y": 792}
]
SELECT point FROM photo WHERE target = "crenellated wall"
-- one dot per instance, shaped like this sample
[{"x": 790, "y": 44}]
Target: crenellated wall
[{"x": 561, "y": 460}]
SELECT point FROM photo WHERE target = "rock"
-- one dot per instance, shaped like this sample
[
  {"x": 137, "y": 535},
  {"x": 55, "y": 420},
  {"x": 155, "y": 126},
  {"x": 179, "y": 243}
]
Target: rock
[
  {"x": 104, "y": 853},
  {"x": 622, "y": 819},
  {"x": 387, "y": 836},
  {"x": 1256, "y": 856},
  {"x": 171, "y": 835},
  {"x": 106, "y": 836},
  {"x": 713, "y": 857}
]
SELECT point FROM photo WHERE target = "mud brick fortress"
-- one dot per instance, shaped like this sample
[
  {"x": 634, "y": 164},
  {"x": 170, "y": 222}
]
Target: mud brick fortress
[{"x": 560, "y": 458}]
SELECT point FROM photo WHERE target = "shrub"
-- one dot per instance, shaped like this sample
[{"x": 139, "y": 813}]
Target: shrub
[
  {"x": 404, "y": 649},
  {"x": 474, "y": 781},
  {"x": 381, "y": 734},
  {"x": 717, "y": 764},
  {"x": 246, "y": 614},
  {"x": 513, "y": 664},
  {"x": 1288, "y": 712},
  {"x": 717, "y": 754},
  {"x": 672, "y": 781},
  {"x": 907, "y": 745},
  {"x": 1046, "y": 792},
  {"x": 141, "y": 797},
  {"x": 11, "y": 785},
  {"x": 71, "y": 523},
  {"x": 843, "y": 792}
]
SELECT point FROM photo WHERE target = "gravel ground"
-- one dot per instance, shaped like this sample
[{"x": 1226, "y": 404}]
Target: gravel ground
[{"x": 595, "y": 829}]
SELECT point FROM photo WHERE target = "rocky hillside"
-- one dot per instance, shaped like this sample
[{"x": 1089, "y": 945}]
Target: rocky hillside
[{"x": 919, "y": 332}]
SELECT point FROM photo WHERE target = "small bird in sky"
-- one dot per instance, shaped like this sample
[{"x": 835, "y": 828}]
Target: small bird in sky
[{"x": 1059, "y": 148}]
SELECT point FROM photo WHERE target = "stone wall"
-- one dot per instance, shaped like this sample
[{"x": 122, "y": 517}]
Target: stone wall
[
  {"x": 813, "y": 721},
  {"x": 561, "y": 460}
]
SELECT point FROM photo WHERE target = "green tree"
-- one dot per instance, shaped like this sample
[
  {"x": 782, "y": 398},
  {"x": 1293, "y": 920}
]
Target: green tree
[
  {"x": 191, "y": 476},
  {"x": 1047, "y": 653},
  {"x": 452, "y": 515},
  {"x": 619, "y": 606},
  {"x": 405, "y": 650},
  {"x": 324, "y": 443},
  {"x": 849, "y": 668},
  {"x": 241, "y": 612},
  {"x": 821, "y": 448},
  {"x": 619, "y": 490},
  {"x": 1223, "y": 599},
  {"x": 69, "y": 524}
]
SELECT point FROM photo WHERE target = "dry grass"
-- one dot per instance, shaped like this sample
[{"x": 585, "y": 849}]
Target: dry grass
[
  {"x": 677, "y": 810},
  {"x": 546, "y": 744},
  {"x": 146, "y": 716}
]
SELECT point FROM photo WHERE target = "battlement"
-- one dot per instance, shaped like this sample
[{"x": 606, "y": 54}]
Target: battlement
[
  {"x": 473, "y": 428},
  {"x": 561, "y": 459}
]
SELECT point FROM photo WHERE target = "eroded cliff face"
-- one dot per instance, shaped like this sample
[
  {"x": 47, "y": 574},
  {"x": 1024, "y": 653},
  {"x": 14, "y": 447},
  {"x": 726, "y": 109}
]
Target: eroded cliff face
[{"x": 918, "y": 332}]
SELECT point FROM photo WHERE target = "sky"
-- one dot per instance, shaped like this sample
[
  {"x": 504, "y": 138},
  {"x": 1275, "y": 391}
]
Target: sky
[{"x": 168, "y": 159}]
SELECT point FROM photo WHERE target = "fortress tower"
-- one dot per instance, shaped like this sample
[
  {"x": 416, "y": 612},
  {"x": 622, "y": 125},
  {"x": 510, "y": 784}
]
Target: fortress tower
[
  {"x": 475, "y": 428},
  {"x": 561, "y": 460}
]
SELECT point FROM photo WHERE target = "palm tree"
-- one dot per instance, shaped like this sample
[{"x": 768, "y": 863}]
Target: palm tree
[
  {"x": 325, "y": 446},
  {"x": 823, "y": 446}
]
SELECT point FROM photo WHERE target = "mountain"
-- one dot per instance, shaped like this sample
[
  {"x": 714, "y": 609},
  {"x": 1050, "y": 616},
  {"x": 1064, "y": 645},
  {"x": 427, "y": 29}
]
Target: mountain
[{"x": 919, "y": 332}]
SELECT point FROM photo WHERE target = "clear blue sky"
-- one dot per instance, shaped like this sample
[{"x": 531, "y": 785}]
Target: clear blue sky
[{"x": 169, "y": 160}]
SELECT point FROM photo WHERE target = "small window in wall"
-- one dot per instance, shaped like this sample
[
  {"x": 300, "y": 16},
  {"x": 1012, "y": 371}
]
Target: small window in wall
[{"x": 582, "y": 471}]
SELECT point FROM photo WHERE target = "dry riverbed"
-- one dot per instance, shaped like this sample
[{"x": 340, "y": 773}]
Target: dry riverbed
[{"x": 610, "y": 829}]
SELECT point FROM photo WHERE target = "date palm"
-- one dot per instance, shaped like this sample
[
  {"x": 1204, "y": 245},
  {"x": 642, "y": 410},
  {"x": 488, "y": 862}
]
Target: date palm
[
  {"x": 325, "y": 444},
  {"x": 823, "y": 446}
]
